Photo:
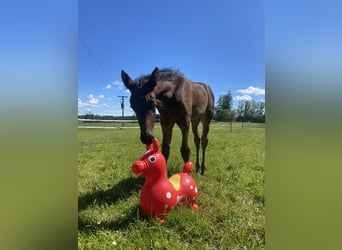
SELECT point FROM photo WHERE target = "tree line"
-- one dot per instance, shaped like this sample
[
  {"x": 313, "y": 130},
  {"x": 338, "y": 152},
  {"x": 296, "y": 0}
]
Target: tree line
[{"x": 247, "y": 111}]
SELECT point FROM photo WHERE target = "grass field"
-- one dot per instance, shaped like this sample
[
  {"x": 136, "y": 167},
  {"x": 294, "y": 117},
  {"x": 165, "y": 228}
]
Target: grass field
[{"x": 231, "y": 194}]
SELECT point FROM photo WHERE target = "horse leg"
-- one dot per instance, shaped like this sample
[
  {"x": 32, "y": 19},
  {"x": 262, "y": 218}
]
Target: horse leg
[
  {"x": 167, "y": 135},
  {"x": 185, "y": 149},
  {"x": 204, "y": 140},
  {"x": 197, "y": 141}
]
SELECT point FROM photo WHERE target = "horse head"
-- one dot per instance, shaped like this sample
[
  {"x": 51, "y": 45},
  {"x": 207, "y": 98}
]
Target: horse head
[
  {"x": 143, "y": 102},
  {"x": 152, "y": 164}
]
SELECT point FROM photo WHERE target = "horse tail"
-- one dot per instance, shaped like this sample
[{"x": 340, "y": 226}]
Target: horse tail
[{"x": 211, "y": 99}]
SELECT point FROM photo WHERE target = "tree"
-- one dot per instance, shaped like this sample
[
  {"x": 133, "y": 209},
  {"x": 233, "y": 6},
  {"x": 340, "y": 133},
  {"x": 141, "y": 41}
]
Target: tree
[
  {"x": 92, "y": 116},
  {"x": 261, "y": 112},
  {"x": 251, "y": 111},
  {"x": 239, "y": 112},
  {"x": 223, "y": 110},
  {"x": 225, "y": 101}
]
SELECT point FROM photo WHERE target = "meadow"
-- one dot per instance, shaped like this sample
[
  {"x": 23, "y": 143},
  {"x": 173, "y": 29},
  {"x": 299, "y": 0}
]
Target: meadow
[{"x": 231, "y": 194}]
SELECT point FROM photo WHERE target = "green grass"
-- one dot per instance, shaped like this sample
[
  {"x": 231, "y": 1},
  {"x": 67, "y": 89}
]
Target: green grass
[{"x": 231, "y": 194}]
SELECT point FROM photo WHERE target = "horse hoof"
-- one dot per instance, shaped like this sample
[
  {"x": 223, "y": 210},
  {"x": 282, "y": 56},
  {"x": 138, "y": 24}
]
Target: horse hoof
[{"x": 203, "y": 170}]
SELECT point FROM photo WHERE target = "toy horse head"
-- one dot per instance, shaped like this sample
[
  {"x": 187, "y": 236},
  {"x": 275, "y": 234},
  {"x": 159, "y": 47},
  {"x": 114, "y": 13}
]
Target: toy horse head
[{"x": 152, "y": 163}]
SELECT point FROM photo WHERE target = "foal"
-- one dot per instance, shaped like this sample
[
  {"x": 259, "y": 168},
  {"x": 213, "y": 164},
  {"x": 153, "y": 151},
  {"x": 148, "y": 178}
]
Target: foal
[{"x": 179, "y": 101}]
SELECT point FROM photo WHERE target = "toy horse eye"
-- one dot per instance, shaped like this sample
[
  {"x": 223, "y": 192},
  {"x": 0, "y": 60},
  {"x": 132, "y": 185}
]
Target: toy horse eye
[{"x": 152, "y": 158}]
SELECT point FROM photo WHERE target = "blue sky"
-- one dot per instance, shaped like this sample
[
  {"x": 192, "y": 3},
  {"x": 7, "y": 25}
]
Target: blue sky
[{"x": 217, "y": 42}]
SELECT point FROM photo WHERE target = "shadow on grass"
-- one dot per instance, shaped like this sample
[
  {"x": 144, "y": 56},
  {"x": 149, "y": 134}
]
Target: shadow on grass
[
  {"x": 130, "y": 216},
  {"x": 119, "y": 191}
]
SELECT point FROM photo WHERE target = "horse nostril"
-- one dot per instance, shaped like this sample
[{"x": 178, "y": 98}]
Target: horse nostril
[
  {"x": 150, "y": 139},
  {"x": 146, "y": 139},
  {"x": 143, "y": 139}
]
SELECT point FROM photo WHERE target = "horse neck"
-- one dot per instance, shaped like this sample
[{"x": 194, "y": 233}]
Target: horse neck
[{"x": 163, "y": 87}]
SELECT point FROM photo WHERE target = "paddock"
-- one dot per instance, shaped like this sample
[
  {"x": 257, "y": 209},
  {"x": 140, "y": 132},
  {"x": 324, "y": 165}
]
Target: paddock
[{"x": 231, "y": 194}]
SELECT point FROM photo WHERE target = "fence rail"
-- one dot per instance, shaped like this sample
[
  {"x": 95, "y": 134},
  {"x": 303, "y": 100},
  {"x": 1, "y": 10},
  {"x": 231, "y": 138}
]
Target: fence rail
[
  {"x": 123, "y": 124},
  {"x": 95, "y": 120},
  {"x": 114, "y": 124}
]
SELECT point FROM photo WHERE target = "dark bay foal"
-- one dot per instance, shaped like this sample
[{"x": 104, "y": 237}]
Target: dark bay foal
[{"x": 179, "y": 101}]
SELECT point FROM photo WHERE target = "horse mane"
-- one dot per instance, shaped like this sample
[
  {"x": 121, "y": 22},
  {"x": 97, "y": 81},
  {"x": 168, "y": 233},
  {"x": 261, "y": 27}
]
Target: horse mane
[
  {"x": 166, "y": 74},
  {"x": 169, "y": 74}
]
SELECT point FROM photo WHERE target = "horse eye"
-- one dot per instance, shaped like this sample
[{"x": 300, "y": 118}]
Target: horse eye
[{"x": 152, "y": 158}]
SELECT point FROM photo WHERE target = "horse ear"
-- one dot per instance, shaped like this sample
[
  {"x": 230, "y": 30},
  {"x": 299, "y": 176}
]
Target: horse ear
[
  {"x": 155, "y": 144},
  {"x": 148, "y": 147},
  {"x": 155, "y": 74},
  {"x": 149, "y": 86},
  {"x": 129, "y": 83}
]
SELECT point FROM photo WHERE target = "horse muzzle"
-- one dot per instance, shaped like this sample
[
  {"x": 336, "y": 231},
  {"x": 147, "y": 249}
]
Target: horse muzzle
[{"x": 146, "y": 138}]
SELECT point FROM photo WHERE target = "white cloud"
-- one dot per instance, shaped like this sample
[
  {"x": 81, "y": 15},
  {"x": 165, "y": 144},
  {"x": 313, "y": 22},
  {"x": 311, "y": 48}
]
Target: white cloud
[
  {"x": 93, "y": 101},
  {"x": 80, "y": 103},
  {"x": 94, "y": 104},
  {"x": 242, "y": 98},
  {"x": 251, "y": 91},
  {"x": 118, "y": 84}
]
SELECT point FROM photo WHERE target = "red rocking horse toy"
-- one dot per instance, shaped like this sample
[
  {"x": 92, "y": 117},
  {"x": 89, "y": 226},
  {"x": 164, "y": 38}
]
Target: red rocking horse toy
[{"x": 159, "y": 194}]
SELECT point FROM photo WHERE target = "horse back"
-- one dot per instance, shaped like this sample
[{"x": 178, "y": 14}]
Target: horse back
[
  {"x": 202, "y": 99},
  {"x": 182, "y": 96}
]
